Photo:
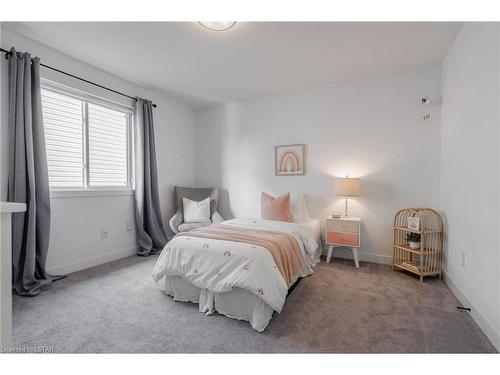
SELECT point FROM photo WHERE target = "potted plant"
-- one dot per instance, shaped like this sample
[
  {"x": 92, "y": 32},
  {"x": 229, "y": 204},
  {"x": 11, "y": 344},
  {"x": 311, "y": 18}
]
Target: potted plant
[{"x": 413, "y": 240}]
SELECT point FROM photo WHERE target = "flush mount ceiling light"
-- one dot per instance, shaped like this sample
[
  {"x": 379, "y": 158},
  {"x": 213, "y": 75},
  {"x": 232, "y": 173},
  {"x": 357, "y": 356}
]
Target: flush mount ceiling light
[{"x": 217, "y": 25}]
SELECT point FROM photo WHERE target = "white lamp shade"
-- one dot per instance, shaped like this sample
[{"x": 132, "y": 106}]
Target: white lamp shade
[{"x": 348, "y": 187}]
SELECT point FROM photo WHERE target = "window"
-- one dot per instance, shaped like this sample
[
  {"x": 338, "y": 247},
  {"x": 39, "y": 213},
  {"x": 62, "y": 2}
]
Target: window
[{"x": 88, "y": 142}]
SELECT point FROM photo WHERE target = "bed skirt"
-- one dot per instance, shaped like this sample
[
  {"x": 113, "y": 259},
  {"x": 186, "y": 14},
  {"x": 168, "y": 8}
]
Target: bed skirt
[{"x": 237, "y": 304}]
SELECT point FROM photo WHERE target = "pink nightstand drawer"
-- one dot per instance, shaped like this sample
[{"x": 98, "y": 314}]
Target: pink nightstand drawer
[{"x": 342, "y": 238}]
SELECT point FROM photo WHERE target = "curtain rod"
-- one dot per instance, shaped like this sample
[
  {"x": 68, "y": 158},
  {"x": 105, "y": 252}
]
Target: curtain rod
[{"x": 7, "y": 53}]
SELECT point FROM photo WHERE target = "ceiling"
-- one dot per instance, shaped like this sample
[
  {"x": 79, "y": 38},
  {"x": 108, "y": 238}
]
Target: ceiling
[{"x": 203, "y": 67}]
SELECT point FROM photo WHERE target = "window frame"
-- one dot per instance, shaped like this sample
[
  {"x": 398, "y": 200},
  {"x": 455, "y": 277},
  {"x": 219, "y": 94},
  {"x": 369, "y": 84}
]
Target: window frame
[{"x": 87, "y": 189}]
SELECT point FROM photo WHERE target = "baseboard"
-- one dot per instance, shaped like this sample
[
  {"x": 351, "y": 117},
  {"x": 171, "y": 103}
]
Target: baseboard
[
  {"x": 375, "y": 258},
  {"x": 483, "y": 323},
  {"x": 345, "y": 253},
  {"x": 91, "y": 262},
  {"x": 364, "y": 257}
]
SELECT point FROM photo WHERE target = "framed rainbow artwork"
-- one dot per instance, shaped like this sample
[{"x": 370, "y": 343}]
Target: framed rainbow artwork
[{"x": 289, "y": 160}]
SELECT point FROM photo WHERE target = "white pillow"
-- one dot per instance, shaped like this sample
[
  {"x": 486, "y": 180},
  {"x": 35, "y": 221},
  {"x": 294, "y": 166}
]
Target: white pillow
[
  {"x": 299, "y": 208},
  {"x": 196, "y": 212}
]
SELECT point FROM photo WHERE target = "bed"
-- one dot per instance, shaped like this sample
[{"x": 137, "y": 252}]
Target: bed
[{"x": 235, "y": 278}]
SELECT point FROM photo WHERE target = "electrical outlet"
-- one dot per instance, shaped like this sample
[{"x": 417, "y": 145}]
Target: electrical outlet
[
  {"x": 463, "y": 259},
  {"x": 104, "y": 234}
]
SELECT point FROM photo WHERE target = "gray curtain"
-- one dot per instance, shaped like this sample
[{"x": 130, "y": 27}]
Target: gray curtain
[
  {"x": 28, "y": 177},
  {"x": 151, "y": 236}
]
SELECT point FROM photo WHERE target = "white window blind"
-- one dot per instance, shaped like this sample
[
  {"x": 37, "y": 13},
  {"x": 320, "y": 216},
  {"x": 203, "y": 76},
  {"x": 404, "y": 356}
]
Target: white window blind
[
  {"x": 88, "y": 145},
  {"x": 63, "y": 121},
  {"x": 107, "y": 147}
]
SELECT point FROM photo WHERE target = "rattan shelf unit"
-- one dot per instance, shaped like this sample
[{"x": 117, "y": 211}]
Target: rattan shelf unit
[{"x": 428, "y": 259}]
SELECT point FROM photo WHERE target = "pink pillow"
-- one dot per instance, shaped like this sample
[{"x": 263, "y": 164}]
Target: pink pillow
[{"x": 275, "y": 208}]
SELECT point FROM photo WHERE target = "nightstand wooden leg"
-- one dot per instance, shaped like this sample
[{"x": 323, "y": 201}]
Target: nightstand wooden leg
[
  {"x": 355, "y": 257},
  {"x": 330, "y": 249}
]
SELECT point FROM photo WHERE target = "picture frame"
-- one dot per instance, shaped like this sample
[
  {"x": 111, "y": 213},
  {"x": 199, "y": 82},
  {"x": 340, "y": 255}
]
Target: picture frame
[
  {"x": 414, "y": 223},
  {"x": 289, "y": 160}
]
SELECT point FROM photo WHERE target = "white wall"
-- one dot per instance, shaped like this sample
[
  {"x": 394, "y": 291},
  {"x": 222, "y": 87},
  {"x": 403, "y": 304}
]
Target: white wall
[
  {"x": 76, "y": 222},
  {"x": 470, "y": 171},
  {"x": 368, "y": 128}
]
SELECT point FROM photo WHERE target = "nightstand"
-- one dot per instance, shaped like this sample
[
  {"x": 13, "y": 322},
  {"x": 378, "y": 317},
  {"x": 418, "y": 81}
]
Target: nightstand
[{"x": 346, "y": 232}]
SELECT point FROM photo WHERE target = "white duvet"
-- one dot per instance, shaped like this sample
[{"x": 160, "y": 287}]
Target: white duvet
[{"x": 202, "y": 262}]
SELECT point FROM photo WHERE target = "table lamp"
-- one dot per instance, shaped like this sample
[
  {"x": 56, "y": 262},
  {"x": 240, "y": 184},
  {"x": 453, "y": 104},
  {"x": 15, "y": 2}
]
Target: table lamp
[{"x": 348, "y": 187}]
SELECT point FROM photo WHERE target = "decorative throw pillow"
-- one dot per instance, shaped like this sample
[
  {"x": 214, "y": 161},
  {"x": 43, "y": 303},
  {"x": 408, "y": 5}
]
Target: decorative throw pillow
[
  {"x": 196, "y": 212},
  {"x": 196, "y": 194},
  {"x": 275, "y": 208},
  {"x": 298, "y": 205}
]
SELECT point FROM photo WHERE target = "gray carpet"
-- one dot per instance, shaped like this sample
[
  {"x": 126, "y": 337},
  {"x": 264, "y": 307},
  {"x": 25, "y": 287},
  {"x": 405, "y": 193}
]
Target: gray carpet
[{"x": 116, "y": 307}]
